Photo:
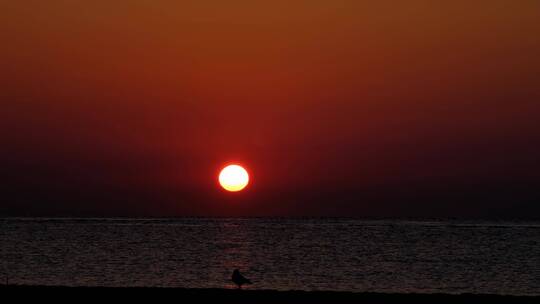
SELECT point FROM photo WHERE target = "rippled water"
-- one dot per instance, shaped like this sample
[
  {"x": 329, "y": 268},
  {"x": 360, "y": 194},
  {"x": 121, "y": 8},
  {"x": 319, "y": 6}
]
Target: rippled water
[{"x": 305, "y": 254}]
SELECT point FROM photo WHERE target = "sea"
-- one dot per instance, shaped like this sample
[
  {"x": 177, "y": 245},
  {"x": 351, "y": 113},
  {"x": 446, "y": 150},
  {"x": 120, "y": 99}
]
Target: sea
[{"x": 340, "y": 254}]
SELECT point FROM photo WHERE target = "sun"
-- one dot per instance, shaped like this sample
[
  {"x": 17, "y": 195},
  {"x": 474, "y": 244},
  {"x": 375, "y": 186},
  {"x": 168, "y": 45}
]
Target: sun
[{"x": 233, "y": 178}]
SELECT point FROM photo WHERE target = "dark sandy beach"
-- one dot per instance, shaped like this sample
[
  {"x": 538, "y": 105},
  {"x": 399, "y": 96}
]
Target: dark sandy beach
[{"x": 179, "y": 295}]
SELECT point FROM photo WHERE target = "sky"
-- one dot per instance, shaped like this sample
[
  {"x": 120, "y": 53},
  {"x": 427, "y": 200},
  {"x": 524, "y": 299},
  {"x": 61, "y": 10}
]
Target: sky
[{"x": 336, "y": 108}]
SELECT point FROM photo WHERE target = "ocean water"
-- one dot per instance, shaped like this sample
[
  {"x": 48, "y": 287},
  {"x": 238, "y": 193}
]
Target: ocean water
[{"x": 275, "y": 253}]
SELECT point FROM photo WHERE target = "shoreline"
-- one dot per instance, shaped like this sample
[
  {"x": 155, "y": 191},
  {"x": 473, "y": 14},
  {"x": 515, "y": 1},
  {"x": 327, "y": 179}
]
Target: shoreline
[{"x": 256, "y": 296}]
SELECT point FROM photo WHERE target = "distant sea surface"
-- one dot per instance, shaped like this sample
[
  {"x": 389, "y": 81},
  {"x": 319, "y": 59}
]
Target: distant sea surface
[{"x": 275, "y": 253}]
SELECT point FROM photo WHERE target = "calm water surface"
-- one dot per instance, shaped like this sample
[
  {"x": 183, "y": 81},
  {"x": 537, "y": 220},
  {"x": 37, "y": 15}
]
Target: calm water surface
[{"x": 304, "y": 254}]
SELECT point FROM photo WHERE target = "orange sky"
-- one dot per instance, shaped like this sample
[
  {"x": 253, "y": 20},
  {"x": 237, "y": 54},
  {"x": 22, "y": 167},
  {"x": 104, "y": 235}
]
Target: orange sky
[{"x": 315, "y": 96}]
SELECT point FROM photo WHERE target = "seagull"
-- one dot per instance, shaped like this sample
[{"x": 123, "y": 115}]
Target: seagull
[{"x": 239, "y": 279}]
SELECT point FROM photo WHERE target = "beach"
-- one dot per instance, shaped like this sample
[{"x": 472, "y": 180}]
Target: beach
[{"x": 180, "y": 295}]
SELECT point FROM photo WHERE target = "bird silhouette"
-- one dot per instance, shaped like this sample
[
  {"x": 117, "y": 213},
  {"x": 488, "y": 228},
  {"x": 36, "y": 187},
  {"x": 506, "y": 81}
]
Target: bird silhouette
[{"x": 239, "y": 279}]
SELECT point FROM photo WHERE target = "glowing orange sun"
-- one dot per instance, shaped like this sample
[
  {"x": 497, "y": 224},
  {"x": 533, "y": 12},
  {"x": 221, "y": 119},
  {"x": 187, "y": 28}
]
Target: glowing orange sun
[{"x": 233, "y": 178}]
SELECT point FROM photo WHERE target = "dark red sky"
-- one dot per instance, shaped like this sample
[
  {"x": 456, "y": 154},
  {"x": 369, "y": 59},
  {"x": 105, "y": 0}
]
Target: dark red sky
[{"x": 418, "y": 108}]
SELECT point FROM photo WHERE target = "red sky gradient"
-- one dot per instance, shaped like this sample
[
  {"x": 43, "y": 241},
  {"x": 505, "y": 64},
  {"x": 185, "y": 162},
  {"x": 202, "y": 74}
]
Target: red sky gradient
[{"x": 357, "y": 108}]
